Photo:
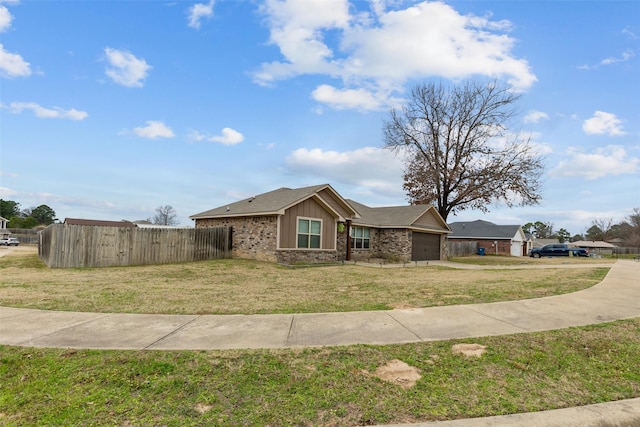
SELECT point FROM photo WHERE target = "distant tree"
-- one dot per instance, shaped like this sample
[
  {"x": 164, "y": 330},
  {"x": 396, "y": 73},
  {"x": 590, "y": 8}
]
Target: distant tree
[
  {"x": 29, "y": 222},
  {"x": 541, "y": 230},
  {"x": 577, "y": 237},
  {"x": 18, "y": 222},
  {"x": 594, "y": 233},
  {"x": 604, "y": 226},
  {"x": 563, "y": 235},
  {"x": 43, "y": 214},
  {"x": 460, "y": 153},
  {"x": 9, "y": 209},
  {"x": 165, "y": 215},
  {"x": 15, "y": 222},
  {"x": 632, "y": 229}
]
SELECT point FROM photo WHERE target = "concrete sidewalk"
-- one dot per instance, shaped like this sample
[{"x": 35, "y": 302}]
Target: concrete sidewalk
[{"x": 616, "y": 297}]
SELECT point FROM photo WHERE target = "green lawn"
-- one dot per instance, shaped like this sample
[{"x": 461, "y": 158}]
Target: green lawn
[{"x": 319, "y": 386}]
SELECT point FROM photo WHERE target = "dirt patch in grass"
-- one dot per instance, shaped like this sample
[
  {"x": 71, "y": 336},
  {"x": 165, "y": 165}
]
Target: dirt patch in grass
[
  {"x": 469, "y": 350},
  {"x": 398, "y": 372},
  {"x": 251, "y": 287}
]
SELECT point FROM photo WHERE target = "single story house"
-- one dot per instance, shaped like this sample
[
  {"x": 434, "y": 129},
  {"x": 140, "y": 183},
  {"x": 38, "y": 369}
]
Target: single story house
[
  {"x": 4, "y": 233},
  {"x": 597, "y": 246},
  {"x": 495, "y": 239},
  {"x": 316, "y": 224},
  {"x": 538, "y": 243}
]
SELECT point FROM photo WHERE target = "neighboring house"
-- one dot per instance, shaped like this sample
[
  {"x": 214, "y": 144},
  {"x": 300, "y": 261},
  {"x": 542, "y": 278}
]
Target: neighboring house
[
  {"x": 598, "y": 247},
  {"x": 495, "y": 239},
  {"x": 538, "y": 243},
  {"x": 98, "y": 222},
  {"x": 4, "y": 233},
  {"x": 315, "y": 224}
]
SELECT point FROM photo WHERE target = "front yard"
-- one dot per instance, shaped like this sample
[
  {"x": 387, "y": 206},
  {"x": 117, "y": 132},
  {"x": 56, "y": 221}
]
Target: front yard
[{"x": 249, "y": 287}]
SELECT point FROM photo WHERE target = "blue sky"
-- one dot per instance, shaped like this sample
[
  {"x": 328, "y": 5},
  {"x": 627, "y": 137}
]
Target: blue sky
[{"x": 109, "y": 109}]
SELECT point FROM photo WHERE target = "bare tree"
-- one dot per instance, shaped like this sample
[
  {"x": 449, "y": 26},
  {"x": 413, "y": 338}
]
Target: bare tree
[
  {"x": 460, "y": 151},
  {"x": 604, "y": 225},
  {"x": 165, "y": 215}
]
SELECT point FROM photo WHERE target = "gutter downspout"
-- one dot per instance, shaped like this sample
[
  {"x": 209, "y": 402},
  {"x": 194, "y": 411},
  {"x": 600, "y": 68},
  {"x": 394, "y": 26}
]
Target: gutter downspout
[{"x": 348, "y": 230}]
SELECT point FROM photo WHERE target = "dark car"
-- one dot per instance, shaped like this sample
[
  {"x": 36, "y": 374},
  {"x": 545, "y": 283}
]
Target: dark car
[{"x": 558, "y": 249}]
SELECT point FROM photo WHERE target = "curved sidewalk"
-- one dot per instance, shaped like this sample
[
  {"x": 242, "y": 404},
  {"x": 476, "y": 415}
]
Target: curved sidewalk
[{"x": 616, "y": 297}]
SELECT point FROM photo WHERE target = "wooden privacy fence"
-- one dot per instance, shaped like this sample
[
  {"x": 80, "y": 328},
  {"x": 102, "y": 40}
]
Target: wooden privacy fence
[
  {"x": 462, "y": 248},
  {"x": 76, "y": 246}
]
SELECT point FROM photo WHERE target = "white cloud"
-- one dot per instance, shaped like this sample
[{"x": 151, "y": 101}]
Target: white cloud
[
  {"x": 125, "y": 69},
  {"x": 382, "y": 49},
  {"x": 603, "y": 123},
  {"x": 626, "y": 55},
  {"x": 153, "y": 130},
  {"x": 199, "y": 11},
  {"x": 48, "y": 113},
  {"x": 5, "y": 19},
  {"x": 340, "y": 99},
  {"x": 611, "y": 160},
  {"x": 534, "y": 116},
  {"x": 375, "y": 168},
  {"x": 227, "y": 137},
  {"x": 12, "y": 64}
]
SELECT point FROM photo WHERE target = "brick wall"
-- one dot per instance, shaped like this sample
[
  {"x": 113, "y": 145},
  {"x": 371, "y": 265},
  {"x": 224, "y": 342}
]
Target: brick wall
[
  {"x": 504, "y": 246},
  {"x": 293, "y": 256},
  {"x": 393, "y": 244},
  {"x": 253, "y": 237}
]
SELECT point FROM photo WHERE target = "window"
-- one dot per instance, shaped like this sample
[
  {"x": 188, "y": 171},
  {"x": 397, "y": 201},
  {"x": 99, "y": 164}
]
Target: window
[
  {"x": 309, "y": 232},
  {"x": 360, "y": 238}
]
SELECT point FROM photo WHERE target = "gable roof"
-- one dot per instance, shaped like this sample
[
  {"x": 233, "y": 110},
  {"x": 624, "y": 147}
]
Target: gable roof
[
  {"x": 98, "y": 222},
  {"x": 275, "y": 203},
  {"x": 480, "y": 229},
  {"x": 397, "y": 217}
]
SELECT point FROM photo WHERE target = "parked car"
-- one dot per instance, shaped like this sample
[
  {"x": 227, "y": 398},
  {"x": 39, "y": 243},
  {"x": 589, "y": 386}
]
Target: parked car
[
  {"x": 9, "y": 241},
  {"x": 558, "y": 249}
]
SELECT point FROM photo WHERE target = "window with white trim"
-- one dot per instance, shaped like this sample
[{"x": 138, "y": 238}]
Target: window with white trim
[
  {"x": 360, "y": 238},
  {"x": 309, "y": 233}
]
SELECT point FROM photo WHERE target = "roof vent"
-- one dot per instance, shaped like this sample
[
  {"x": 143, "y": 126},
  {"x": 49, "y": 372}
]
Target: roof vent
[
  {"x": 228, "y": 208},
  {"x": 252, "y": 199}
]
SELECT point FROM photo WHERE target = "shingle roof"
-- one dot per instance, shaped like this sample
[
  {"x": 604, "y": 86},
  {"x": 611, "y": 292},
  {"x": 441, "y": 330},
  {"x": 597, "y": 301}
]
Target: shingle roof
[
  {"x": 98, "y": 222},
  {"x": 482, "y": 229},
  {"x": 593, "y": 244},
  {"x": 391, "y": 216},
  {"x": 271, "y": 203}
]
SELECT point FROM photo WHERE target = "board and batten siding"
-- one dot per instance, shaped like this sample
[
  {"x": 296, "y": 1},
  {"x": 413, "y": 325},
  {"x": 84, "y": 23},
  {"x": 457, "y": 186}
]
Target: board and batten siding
[
  {"x": 309, "y": 208},
  {"x": 429, "y": 220},
  {"x": 337, "y": 205}
]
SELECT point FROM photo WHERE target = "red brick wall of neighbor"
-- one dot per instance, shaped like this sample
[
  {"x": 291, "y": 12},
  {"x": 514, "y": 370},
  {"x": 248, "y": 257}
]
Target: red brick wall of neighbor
[{"x": 504, "y": 246}]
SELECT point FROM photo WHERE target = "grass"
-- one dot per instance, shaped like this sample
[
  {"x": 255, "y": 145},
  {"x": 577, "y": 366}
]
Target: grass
[
  {"x": 310, "y": 386},
  {"x": 251, "y": 287},
  {"x": 319, "y": 386}
]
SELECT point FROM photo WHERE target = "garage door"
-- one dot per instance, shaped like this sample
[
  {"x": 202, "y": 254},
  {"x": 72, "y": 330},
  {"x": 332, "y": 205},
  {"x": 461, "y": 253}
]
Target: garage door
[{"x": 425, "y": 247}]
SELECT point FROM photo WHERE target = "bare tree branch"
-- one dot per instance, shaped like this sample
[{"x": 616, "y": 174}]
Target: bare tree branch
[{"x": 460, "y": 151}]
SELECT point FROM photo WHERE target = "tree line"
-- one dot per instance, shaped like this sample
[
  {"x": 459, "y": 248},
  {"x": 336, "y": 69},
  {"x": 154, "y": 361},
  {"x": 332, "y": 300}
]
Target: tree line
[
  {"x": 626, "y": 231},
  {"x": 43, "y": 215},
  {"x": 26, "y": 218}
]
